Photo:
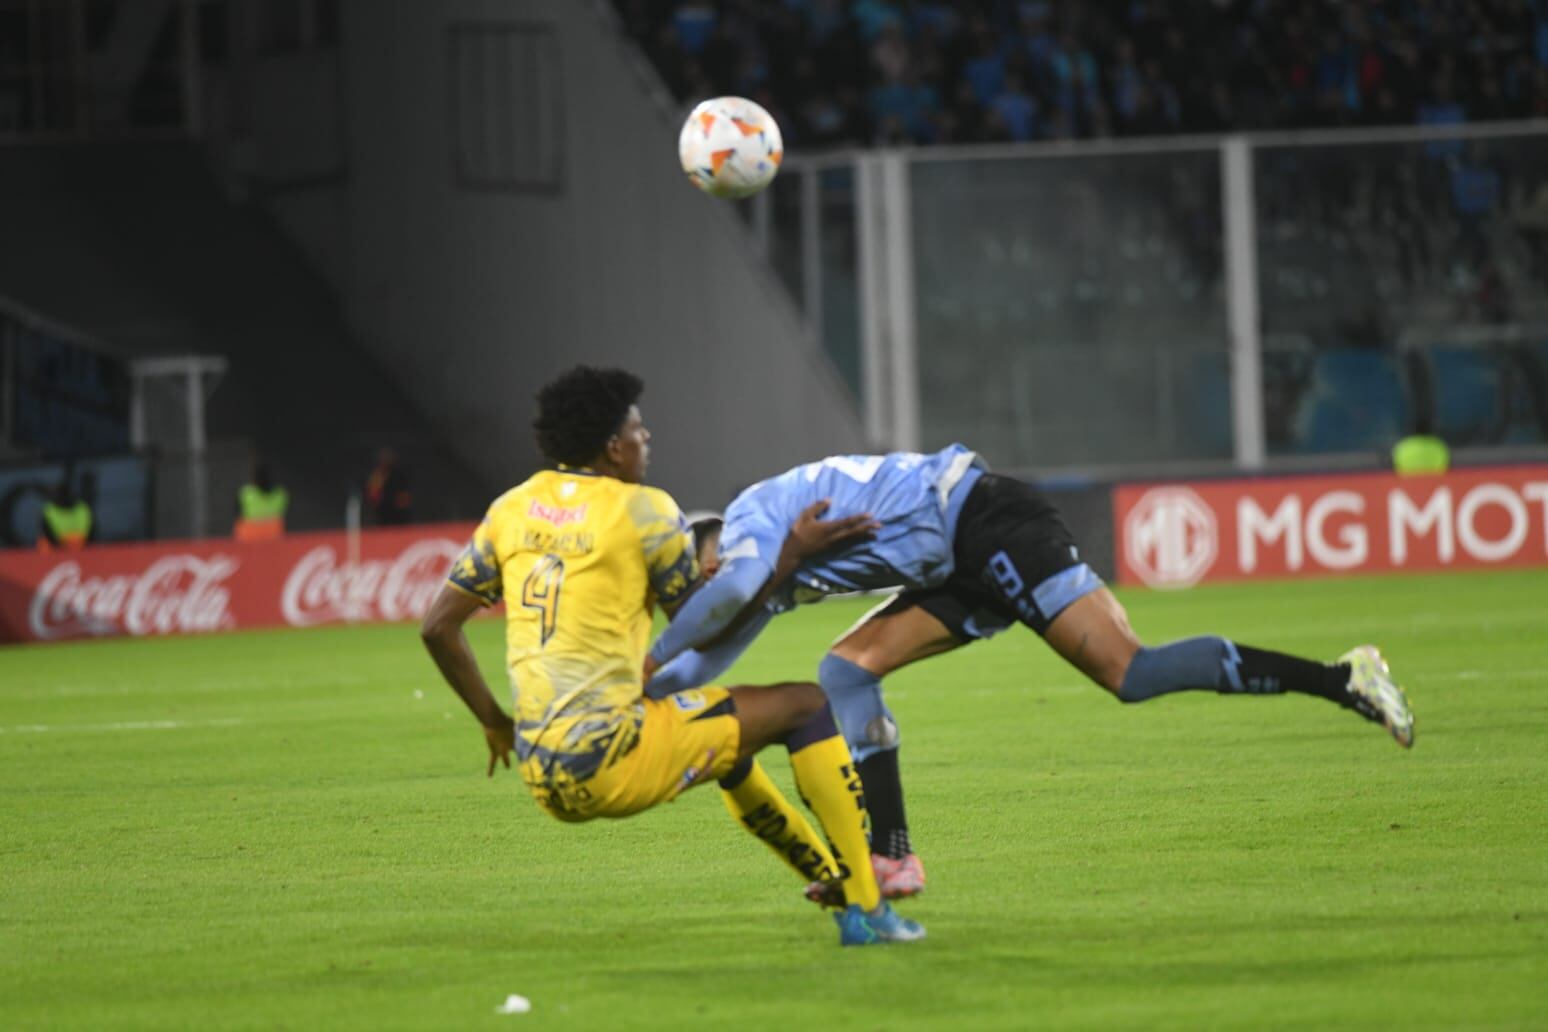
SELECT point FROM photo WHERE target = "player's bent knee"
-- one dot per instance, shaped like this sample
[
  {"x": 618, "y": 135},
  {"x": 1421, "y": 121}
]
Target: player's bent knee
[
  {"x": 868, "y": 726},
  {"x": 803, "y": 701}
]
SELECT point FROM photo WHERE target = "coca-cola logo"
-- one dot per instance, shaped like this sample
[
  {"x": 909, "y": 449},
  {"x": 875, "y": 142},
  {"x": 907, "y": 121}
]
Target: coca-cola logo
[
  {"x": 174, "y": 594},
  {"x": 322, "y": 588}
]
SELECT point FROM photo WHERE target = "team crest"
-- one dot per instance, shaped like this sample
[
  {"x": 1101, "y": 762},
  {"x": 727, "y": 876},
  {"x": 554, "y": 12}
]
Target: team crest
[{"x": 689, "y": 701}]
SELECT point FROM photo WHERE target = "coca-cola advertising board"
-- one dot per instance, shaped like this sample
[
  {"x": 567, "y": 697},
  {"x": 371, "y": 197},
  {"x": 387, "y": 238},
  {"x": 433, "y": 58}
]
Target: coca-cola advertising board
[
  {"x": 185, "y": 587},
  {"x": 1175, "y": 535}
]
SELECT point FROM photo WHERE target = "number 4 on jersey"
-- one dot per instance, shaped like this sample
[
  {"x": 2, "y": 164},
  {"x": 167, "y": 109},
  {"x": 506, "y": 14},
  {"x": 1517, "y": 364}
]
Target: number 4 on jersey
[{"x": 540, "y": 591}]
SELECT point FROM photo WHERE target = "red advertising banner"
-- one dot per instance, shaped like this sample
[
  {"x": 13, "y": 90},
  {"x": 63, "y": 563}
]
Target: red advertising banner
[
  {"x": 183, "y": 587},
  {"x": 1174, "y": 535}
]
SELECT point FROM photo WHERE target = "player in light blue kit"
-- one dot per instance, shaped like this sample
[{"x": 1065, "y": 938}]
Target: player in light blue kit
[{"x": 973, "y": 553}]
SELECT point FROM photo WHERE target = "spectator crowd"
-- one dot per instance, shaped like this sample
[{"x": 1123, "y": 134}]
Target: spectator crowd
[{"x": 861, "y": 72}]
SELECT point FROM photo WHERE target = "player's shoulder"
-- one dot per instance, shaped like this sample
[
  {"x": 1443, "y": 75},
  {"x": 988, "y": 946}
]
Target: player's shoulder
[
  {"x": 649, "y": 505},
  {"x": 509, "y": 502}
]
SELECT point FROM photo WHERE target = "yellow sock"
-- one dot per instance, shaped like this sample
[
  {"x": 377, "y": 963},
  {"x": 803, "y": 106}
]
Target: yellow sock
[
  {"x": 760, "y": 807},
  {"x": 829, "y": 783}
]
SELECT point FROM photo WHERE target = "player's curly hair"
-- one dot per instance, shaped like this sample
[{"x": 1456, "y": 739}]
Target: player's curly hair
[{"x": 579, "y": 411}]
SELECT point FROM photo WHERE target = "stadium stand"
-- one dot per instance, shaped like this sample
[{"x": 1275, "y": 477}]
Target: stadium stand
[
  {"x": 1358, "y": 245},
  {"x": 933, "y": 71}
]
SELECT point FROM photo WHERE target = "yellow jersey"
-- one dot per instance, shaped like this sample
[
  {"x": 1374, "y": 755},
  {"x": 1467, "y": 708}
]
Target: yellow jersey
[{"x": 580, "y": 560}]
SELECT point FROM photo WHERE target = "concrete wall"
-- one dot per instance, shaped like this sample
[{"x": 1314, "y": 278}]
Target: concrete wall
[{"x": 473, "y": 298}]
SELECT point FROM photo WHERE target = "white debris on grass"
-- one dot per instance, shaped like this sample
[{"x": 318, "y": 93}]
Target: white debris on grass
[{"x": 514, "y": 1004}]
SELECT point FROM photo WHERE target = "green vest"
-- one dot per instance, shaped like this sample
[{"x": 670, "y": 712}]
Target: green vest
[
  {"x": 1421, "y": 453},
  {"x": 258, "y": 504},
  {"x": 68, "y": 524}
]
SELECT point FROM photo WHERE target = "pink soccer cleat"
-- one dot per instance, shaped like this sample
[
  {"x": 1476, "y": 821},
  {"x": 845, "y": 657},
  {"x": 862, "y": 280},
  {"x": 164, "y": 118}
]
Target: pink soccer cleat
[{"x": 898, "y": 878}]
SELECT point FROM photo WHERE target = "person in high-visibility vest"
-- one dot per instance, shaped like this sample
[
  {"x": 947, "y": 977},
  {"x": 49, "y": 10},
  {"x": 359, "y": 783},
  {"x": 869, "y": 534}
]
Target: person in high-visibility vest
[
  {"x": 67, "y": 520},
  {"x": 261, "y": 506},
  {"x": 1420, "y": 452}
]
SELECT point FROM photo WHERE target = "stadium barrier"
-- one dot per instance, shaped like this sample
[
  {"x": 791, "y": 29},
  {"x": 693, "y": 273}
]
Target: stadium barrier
[
  {"x": 184, "y": 587},
  {"x": 1172, "y": 535}
]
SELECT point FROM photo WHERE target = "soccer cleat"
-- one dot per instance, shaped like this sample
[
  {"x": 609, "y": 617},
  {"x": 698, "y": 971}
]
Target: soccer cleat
[
  {"x": 898, "y": 878},
  {"x": 1375, "y": 696},
  {"x": 882, "y": 925},
  {"x": 828, "y": 893}
]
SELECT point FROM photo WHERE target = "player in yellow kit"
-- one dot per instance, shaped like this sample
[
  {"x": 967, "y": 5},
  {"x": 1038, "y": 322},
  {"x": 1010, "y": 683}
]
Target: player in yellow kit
[{"x": 580, "y": 554}]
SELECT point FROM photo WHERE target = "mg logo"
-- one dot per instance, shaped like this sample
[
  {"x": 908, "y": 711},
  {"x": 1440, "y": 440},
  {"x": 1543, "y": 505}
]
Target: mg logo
[{"x": 1170, "y": 538}]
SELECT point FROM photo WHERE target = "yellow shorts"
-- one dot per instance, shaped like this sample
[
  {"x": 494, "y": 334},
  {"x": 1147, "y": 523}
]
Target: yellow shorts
[{"x": 683, "y": 740}]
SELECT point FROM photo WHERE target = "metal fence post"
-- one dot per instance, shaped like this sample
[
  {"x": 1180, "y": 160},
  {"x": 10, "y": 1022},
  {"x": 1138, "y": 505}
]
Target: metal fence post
[
  {"x": 903, "y": 361},
  {"x": 1241, "y": 252},
  {"x": 875, "y": 374}
]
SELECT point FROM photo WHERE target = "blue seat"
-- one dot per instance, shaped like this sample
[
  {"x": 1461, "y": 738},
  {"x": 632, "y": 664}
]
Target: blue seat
[
  {"x": 1357, "y": 402},
  {"x": 1468, "y": 388},
  {"x": 1205, "y": 400}
]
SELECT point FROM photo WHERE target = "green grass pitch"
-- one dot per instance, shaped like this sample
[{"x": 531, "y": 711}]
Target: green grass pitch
[{"x": 278, "y": 830}]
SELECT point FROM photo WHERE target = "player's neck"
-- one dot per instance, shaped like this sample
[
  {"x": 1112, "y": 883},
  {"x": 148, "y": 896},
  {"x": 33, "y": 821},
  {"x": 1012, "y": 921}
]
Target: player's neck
[{"x": 602, "y": 468}]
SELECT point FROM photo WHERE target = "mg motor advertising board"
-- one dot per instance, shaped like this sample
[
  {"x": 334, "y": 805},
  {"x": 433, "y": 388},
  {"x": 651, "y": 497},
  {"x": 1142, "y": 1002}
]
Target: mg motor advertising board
[
  {"x": 183, "y": 587},
  {"x": 1175, "y": 535}
]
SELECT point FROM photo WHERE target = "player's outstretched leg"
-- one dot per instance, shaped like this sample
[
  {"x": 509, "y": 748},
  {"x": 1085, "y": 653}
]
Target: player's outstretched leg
[
  {"x": 758, "y": 805},
  {"x": 1093, "y": 634},
  {"x": 900, "y": 631},
  {"x": 893, "y": 635},
  {"x": 872, "y": 735},
  {"x": 798, "y": 715}
]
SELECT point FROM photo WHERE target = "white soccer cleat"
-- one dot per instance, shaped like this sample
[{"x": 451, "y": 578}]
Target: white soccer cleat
[{"x": 1375, "y": 696}]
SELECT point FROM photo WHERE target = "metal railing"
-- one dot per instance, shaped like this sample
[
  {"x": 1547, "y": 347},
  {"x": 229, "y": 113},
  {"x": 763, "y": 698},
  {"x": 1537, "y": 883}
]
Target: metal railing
[{"x": 1125, "y": 304}]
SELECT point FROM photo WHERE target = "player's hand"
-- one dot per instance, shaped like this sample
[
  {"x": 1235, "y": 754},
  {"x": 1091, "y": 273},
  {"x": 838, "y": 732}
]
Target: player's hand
[
  {"x": 810, "y": 535},
  {"x": 501, "y": 739}
]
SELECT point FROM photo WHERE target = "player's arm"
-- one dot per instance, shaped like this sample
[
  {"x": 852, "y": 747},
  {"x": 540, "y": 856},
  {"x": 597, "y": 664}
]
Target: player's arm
[
  {"x": 474, "y": 582},
  {"x": 692, "y": 668},
  {"x": 744, "y": 585},
  {"x": 808, "y": 537},
  {"x": 442, "y": 634}
]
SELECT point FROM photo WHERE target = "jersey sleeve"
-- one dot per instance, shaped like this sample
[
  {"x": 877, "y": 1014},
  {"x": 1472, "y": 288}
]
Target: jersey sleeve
[
  {"x": 670, "y": 561},
  {"x": 477, "y": 570},
  {"x": 750, "y": 532}
]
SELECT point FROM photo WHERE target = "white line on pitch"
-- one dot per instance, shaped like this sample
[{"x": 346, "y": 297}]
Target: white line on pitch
[{"x": 127, "y": 725}]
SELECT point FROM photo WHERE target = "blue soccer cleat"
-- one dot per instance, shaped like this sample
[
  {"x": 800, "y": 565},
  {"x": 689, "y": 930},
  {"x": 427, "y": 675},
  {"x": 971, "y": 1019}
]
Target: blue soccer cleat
[{"x": 882, "y": 925}]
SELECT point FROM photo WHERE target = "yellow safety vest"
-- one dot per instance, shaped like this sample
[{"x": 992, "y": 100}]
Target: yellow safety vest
[
  {"x": 70, "y": 525},
  {"x": 258, "y": 504},
  {"x": 1420, "y": 453}
]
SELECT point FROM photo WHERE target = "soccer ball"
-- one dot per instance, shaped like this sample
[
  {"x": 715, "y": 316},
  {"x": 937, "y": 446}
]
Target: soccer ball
[{"x": 730, "y": 147}]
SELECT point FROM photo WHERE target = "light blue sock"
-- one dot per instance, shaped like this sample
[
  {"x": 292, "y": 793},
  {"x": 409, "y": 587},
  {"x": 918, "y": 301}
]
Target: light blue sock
[
  {"x": 856, "y": 696},
  {"x": 1198, "y": 664}
]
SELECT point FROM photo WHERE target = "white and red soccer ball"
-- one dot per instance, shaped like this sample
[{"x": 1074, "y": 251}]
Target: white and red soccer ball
[{"x": 730, "y": 147}]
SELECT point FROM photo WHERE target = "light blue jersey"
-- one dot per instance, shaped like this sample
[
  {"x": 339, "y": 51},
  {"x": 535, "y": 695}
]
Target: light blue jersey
[{"x": 916, "y": 499}]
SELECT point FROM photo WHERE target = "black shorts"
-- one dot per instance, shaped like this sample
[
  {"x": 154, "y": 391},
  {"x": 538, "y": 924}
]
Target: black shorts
[{"x": 1015, "y": 561}]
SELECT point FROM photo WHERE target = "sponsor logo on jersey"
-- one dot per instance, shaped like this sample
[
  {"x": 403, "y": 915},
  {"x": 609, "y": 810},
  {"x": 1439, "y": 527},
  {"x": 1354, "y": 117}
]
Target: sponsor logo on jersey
[{"x": 558, "y": 515}]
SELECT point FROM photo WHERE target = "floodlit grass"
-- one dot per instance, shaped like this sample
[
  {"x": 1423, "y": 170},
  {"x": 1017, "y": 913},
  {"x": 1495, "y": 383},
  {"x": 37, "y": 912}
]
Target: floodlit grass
[{"x": 278, "y": 830}]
